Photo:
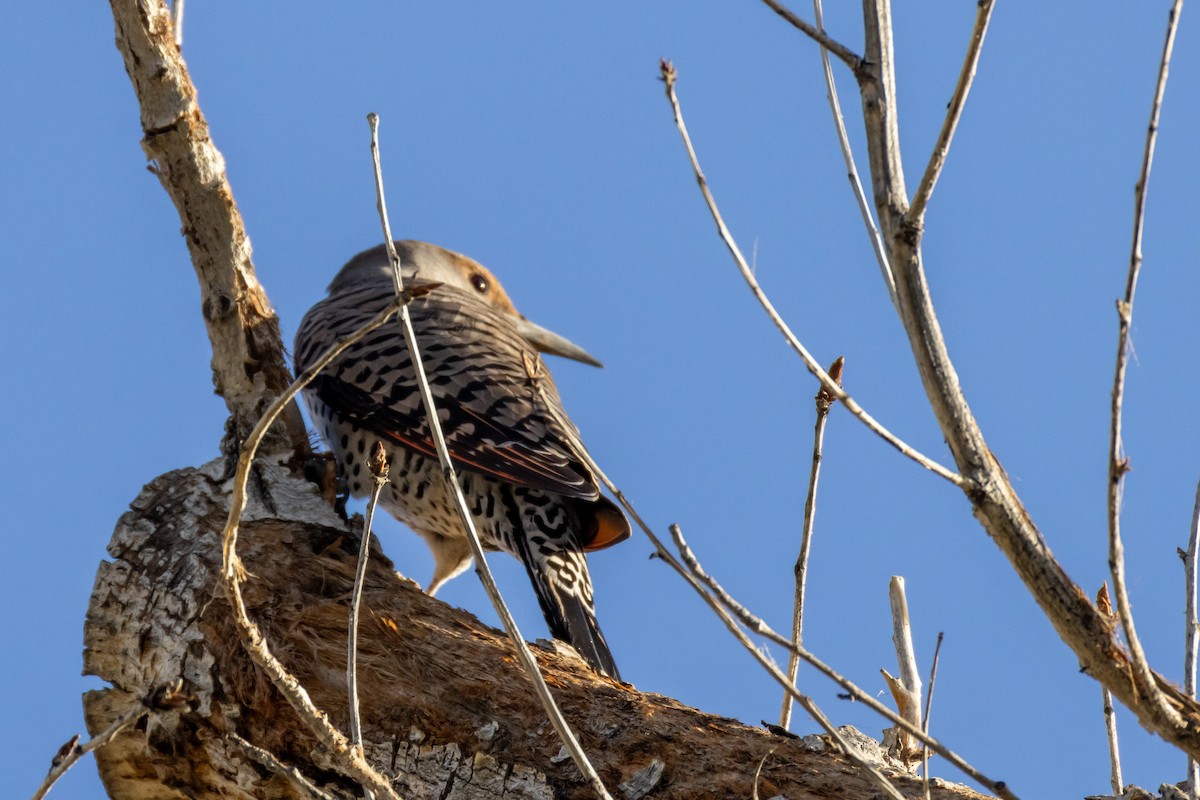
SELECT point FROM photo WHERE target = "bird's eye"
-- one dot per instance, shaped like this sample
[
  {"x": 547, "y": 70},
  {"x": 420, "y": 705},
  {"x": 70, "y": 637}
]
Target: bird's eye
[{"x": 479, "y": 282}]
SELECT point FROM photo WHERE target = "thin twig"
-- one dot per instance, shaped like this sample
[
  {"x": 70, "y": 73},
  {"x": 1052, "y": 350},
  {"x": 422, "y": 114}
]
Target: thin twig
[
  {"x": 668, "y": 75},
  {"x": 232, "y": 573},
  {"x": 804, "y": 700},
  {"x": 268, "y": 760},
  {"x": 937, "y": 159},
  {"x": 723, "y": 601},
  {"x": 1118, "y": 464},
  {"x": 1192, "y": 636},
  {"x": 378, "y": 465},
  {"x": 720, "y": 600},
  {"x": 937, "y": 651},
  {"x": 72, "y": 751},
  {"x": 722, "y": 604},
  {"x": 860, "y": 196},
  {"x": 823, "y": 401},
  {"x": 168, "y": 697},
  {"x": 449, "y": 474},
  {"x": 818, "y": 35}
]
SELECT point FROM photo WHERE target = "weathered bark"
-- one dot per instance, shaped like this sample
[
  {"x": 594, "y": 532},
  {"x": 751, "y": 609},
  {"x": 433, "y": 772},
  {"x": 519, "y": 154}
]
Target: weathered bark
[
  {"x": 248, "y": 366},
  {"x": 446, "y": 710}
]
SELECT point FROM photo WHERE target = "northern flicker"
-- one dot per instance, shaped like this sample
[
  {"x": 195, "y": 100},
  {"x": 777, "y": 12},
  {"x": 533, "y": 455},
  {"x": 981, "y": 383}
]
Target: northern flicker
[{"x": 515, "y": 450}]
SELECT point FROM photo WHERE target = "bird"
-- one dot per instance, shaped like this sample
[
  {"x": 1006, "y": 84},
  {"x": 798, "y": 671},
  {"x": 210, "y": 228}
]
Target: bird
[{"x": 517, "y": 454}]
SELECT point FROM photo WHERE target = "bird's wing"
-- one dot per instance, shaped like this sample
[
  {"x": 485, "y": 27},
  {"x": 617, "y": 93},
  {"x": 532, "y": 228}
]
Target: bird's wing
[{"x": 489, "y": 385}]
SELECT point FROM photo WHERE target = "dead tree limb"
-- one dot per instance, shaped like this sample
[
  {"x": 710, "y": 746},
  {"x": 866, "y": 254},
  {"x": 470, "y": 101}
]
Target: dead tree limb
[
  {"x": 445, "y": 705},
  {"x": 994, "y": 500}
]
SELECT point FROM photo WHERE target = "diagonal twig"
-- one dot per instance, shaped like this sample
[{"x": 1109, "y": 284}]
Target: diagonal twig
[
  {"x": 860, "y": 196},
  {"x": 168, "y": 697},
  {"x": 758, "y": 626},
  {"x": 937, "y": 159},
  {"x": 668, "y": 76},
  {"x": 524, "y": 654},
  {"x": 937, "y": 652},
  {"x": 269, "y": 760},
  {"x": 242, "y": 327},
  {"x": 818, "y": 35},
  {"x": 72, "y": 751},
  {"x": 1118, "y": 464},
  {"x": 722, "y": 604},
  {"x": 804, "y": 700}
]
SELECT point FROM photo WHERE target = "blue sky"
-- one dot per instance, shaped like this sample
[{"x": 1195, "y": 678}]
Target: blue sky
[{"x": 538, "y": 140}]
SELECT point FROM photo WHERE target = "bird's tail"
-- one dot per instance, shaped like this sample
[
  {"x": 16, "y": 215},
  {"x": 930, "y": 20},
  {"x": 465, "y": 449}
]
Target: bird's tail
[{"x": 564, "y": 591}]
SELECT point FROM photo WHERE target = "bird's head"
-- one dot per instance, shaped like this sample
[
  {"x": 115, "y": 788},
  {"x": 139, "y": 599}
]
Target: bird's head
[{"x": 427, "y": 263}]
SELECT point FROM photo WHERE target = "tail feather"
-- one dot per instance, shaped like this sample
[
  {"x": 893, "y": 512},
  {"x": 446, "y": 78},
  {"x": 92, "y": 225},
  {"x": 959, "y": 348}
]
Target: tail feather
[{"x": 564, "y": 591}]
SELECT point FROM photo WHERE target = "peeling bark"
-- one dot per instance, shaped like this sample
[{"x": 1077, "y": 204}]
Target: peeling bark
[{"x": 446, "y": 709}]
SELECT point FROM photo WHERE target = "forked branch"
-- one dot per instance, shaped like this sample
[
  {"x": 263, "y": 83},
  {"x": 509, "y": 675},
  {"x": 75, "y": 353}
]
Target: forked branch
[
  {"x": 669, "y": 77},
  {"x": 988, "y": 488}
]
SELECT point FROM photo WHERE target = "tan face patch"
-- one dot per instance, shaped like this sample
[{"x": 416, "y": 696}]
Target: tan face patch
[{"x": 484, "y": 282}]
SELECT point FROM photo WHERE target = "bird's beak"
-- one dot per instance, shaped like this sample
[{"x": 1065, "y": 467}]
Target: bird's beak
[{"x": 550, "y": 342}]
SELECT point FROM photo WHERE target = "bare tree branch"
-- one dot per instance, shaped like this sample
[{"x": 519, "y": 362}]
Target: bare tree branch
[
  {"x": 1118, "y": 463},
  {"x": 804, "y": 700},
  {"x": 818, "y": 35},
  {"x": 1114, "y": 747},
  {"x": 906, "y": 689},
  {"x": 248, "y": 364},
  {"x": 1110, "y": 714},
  {"x": 937, "y": 652},
  {"x": 177, "y": 21},
  {"x": 72, "y": 751},
  {"x": 881, "y": 118},
  {"x": 268, "y": 760},
  {"x": 864, "y": 207},
  {"x": 937, "y": 159},
  {"x": 167, "y": 697},
  {"x": 696, "y": 576},
  {"x": 986, "y": 485},
  {"x": 668, "y": 76}
]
